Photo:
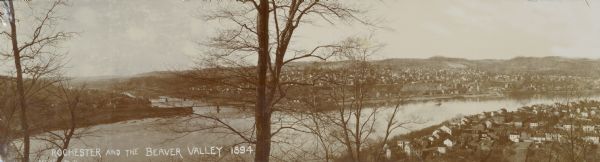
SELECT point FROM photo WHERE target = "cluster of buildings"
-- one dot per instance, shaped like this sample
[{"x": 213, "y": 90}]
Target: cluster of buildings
[
  {"x": 537, "y": 124},
  {"x": 425, "y": 81},
  {"x": 390, "y": 83}
]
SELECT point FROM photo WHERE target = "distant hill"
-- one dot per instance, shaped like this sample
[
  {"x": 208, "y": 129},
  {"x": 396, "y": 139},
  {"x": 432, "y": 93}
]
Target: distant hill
[
  {"x": 535, "y": 65},
  {"x": 540, "y": 65},
  {"x": 545, "y": 65},
  {"x": 99, "y": 82}
]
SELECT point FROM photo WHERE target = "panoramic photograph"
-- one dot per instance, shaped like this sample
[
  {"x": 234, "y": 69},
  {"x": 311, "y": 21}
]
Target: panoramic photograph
[{"x": 299, "y": 80}]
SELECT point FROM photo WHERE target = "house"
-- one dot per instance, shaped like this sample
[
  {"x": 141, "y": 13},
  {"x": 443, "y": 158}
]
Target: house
[
  {"x": 405, "y": 146},
  {"x": 585, "y": 114},
  {"x": 588, "y": 128},
  {"x": 567, "y": 126},
  {"x": 449, "y": 143},
  {"x": 518, "y": 124},
  {"x": 441, "y": 150},
  {"x": 488, "y": 124},
  {"x": 553, "y": 136},
  {"x": 464, "y": 121},
  {"x": 431, "y": 139},
  {"x": 592, "y": 139},
  {"x": 538, "y": 138},
  {"x": 534, "y": 125},
  {"x": 446, "y": 129},
  {"x": 436, "y": 134}
]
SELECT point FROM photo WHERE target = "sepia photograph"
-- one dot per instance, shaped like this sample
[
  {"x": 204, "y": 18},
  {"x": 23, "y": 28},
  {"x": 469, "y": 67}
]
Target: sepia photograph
[{"x": 299, "y": 80}]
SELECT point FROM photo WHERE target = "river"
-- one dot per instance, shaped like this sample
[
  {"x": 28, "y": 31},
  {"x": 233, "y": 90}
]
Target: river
[{"x": 161, "y": 136}]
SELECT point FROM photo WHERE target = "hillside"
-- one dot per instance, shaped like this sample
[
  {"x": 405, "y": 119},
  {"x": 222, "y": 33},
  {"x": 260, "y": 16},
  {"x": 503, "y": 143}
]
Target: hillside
[
  {"x": 538, "y": 65},
  {"x": 519, "y": 65}
]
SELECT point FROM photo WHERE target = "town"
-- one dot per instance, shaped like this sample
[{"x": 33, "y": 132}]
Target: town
[
  {"x": 435, "y": 79},
  {"x": 530, "y": 133}
]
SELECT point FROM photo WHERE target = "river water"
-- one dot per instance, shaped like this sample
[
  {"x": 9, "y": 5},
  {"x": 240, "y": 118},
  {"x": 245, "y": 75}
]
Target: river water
[{"x": 165, "y": 133}]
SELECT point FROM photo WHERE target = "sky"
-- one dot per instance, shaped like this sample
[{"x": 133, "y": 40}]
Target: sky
[{"x": 125, "y": 37}]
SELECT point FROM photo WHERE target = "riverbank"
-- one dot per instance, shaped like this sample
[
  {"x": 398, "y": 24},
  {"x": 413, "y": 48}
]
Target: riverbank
[{"x": 109, "y": 117}]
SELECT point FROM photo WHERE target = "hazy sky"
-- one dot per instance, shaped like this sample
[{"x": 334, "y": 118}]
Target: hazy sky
[{"x": 120, "y": 37}]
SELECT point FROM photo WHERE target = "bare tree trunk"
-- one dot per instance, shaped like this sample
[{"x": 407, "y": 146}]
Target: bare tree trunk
[
  {"x": 262, "y": 112},
  {"x": 70, "y": 132},
  {"x": 20, "y": 89},
  {"x": 391, "y": 126},
  {"x": 66, "y": 142}
]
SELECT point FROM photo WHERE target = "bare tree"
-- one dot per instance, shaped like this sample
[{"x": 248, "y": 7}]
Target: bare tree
[
  {"x": 33, "y": 58},
  {"x": 392, "y": 125},
  {"x": 266, "y": 28},
  {"x": 341, "y": 99},
  {"x": 73, "y": 99},
  {"x": 350, "y": 93}
]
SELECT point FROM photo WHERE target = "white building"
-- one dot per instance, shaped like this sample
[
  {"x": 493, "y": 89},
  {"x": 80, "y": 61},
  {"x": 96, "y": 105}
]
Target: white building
[
  {"x": 441, "y": 150},
  {"x": 488, "y": 124},
  {"x": 405, "y": 145},
  {"x": 585, "y": 114},
  {"x": 553, "y": 137},
  {"x": 446, "y": 129},
  {"x": 464, "y": 121},
  {"x": 538, "y": 139},
  {"x": 448, "y": 143},
  {"x": 534, "y": 125},
  {"x": 436, "y": 134},
  {"x": 588, "y": 128},
  {"x": 518, "y": 124},
  {"x": 514, "y": 137},
  {"x": 592, "y": 139}
]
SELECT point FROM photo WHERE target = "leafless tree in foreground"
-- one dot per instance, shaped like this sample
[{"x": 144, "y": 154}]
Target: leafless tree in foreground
[
  {"x": 264, "y": 29},
  {"x": 337, "y": 105},
  {"x": 70, "y": 100},
  {"x": 34, "y": 58}
]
